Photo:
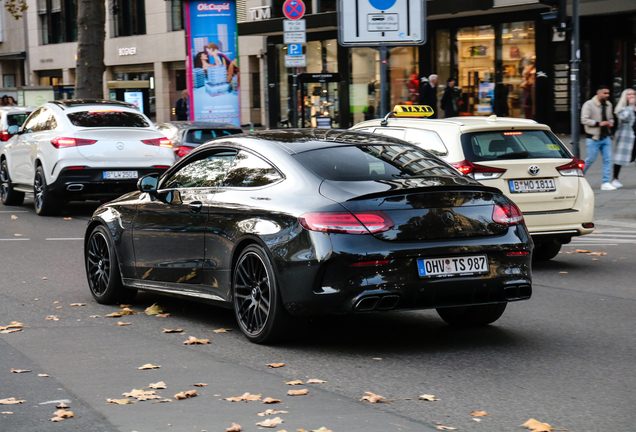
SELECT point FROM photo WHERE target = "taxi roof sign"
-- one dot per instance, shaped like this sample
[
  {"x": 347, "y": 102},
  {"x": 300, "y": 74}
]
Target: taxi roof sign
[{"x": 412, "y": 111}]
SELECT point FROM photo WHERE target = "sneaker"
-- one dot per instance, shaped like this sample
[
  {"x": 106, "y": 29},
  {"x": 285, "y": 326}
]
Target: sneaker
[
  {"x": 607, "y": 187},
  {"x": 616, "y": 184}
]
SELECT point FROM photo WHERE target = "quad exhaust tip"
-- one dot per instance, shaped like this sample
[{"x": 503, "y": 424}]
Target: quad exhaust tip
[
  {"x": 371, "y": 303},
  {"x": 76, "y": 187}
]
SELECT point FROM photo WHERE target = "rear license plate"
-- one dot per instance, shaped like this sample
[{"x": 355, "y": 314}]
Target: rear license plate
[
  {"x": 452, "y": 266},
  {"x": 120, "y": 175},
  {"x": 533, "y": 185}
]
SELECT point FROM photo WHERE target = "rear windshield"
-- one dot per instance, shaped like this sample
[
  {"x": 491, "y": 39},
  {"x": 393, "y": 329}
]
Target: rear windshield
[
  {"x": 199, "y": 136},
  {"x": 17, "y": 119},
  {"x": 107, "y": 118},
  {"x": 530, "y": 144},
  {"x": 373, "y": 162}
]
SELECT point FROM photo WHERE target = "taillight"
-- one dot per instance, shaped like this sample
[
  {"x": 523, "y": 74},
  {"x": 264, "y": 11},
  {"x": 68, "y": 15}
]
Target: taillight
[
  {"x": 183, "y": 151},
  {"x": 507, "y": 214},
  {"x": 369, "y": 222},
  {"x": 574, "y": 168},
  {"x": 4, "y": 135},
  {"x": 478, "y": 172},
  {"x": 161, "y": 166},
  {"x": 370, "y": 263},
  {"x": 517, "y": 253},
  {"x": 161, "y": 142},
  {"x": 61, "y": 142}
]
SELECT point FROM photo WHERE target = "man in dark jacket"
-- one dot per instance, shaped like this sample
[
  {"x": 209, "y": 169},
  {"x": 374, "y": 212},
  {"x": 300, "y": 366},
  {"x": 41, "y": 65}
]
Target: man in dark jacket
[
  {"x": 181, "y": 108},
  {"x": 428, "y": 94},
  {"x": 449, "y": 101}
]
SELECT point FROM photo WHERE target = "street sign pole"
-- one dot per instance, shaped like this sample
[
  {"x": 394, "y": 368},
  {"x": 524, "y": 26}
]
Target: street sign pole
[
  {"x": 294, "y": 110},
  {"x": 575, "y": 86},
  {"x": 384, "y": 102}
]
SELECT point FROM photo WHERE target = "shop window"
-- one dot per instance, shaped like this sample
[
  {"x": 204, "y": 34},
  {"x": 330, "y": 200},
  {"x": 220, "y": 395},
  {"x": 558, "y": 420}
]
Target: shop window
[
  {"x": 58, "y": 21},
  {"x": 176, "y": 11},
  {"x": 129, "y": 17},
  {"x": 519, "y": 73},
  {"x": 364, "y": 90},
  {"x": 404, "y": 75},
  {"x": 476, "y": 64}
]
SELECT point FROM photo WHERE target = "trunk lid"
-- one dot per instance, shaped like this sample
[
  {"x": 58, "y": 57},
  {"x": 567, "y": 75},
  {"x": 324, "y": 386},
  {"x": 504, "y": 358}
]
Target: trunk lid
[{"x": 118, "y": 144}]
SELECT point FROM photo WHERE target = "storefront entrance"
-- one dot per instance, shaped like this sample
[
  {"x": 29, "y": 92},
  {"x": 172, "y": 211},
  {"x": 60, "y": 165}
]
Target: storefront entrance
[{"x": 319, "y": 95}]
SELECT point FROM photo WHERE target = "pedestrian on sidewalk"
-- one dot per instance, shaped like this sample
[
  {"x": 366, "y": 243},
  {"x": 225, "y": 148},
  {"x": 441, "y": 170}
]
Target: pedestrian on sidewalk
[
  {"x": 428, "y": 93},
  {"x": 181, "y": 107},
  {"x": 598, "y": 119},
  {"x": 624, "y": 153}
]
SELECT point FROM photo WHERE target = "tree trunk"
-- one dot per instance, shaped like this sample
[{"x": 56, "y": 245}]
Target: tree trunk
[{"x": 91, "y": 23}]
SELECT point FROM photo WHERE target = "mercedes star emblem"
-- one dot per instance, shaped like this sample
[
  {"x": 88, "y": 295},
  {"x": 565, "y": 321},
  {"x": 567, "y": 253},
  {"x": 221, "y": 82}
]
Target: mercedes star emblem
[
  {"x": 120, "y": 145},
  {"x": 448, "y": 218},
  {"x": 533, "y": 169}
]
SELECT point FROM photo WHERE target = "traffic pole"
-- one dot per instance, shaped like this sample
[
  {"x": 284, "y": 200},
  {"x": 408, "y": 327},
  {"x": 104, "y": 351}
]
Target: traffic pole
[{"x": 574, "y": 80}]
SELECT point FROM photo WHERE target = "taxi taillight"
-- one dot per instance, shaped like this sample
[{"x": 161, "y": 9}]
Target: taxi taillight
[
  {"x": 574, "y": 168},
  {"x": 478, "y": 172}
]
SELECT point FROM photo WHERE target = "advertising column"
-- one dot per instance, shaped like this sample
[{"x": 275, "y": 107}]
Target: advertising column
[{"x": 212, "y": 65}]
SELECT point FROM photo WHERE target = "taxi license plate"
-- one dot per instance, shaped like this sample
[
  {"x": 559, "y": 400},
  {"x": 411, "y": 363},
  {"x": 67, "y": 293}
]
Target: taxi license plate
[
  {"x": 120, "y": 175},
  {"x": 532, "y": 185},
  {"x": 454, "y": 266}
]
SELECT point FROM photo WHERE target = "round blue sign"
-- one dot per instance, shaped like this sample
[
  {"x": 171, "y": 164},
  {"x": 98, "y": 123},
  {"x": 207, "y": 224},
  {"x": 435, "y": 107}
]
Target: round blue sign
[{"x": 382, "y": 4}]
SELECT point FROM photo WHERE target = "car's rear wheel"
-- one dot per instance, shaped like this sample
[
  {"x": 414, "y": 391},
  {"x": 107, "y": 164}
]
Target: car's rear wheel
[
  {"x": 102, "y": 269},
  {"x": 46, "y": 204},
  {"x": 546, "y": 251},
  {"x": 9, "y": 195},
  {"x": 472, "y": 316},
  {"x": 257, "y": 304}
]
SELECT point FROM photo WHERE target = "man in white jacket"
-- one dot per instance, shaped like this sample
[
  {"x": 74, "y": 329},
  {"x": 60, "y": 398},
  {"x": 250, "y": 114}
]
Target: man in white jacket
[{"x": 598, "y": 119}]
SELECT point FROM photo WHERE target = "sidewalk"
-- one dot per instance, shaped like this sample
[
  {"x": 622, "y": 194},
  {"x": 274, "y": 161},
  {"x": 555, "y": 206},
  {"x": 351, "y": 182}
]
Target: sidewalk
[{"x": 617, "y": 206}]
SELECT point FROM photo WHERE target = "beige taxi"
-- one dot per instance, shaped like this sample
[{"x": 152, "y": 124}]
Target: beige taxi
[{"x": 522, "y": 158}]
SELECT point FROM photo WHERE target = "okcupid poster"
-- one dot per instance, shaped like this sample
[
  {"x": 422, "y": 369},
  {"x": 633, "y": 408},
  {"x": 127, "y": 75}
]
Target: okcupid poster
[{"x": 212, "y": 67}]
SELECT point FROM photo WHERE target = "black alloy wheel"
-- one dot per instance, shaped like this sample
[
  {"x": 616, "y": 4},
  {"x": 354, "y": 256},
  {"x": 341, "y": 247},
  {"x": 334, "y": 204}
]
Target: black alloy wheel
[
  {"x": 102, "y": 269},
  {"x": 7, "y": 193},
  {"x": 472, "y": 316},
  {"x": 46, "y": 204},
  {"x": 257, "y": 304}
]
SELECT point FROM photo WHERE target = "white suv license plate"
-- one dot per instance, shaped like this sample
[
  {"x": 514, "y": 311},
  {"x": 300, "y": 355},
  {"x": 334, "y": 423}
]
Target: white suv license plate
[
  {"x": 120, "y": 175},
  {"x": 454, "y": 266},
  {"x": 532, "y": 185}
]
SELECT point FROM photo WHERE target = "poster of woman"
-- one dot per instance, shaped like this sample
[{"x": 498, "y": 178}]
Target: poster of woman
[{"x": 212, "y": 66}]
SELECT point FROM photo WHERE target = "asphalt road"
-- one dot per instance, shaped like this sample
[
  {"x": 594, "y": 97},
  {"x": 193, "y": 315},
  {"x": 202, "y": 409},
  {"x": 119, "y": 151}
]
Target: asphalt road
[{"x": 565, "y": 357}]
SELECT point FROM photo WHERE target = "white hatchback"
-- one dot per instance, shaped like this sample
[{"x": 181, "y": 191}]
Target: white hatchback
[
  {"x": 522, "y": 158},
  {"x": 80, "y": 149}
]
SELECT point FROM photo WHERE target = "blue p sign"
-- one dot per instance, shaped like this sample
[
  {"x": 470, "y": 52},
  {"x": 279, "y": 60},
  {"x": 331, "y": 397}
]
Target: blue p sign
[{"x": 295, "y": 49}]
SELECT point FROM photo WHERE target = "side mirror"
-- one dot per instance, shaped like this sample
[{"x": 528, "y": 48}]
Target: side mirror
[
  {"x": 13, "y": 129},
  {"x": 148, "y": 183}
]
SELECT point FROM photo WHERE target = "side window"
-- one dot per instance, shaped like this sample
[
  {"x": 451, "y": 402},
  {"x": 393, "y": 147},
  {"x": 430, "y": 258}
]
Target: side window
[
  {"x": 428, "y": 140},
  {"x": 395, "y": 133},
  {"x": 207, "y": 171},
  {"x": 32, "y": 122},
  {"x": 249, "y": 170},
  {"x": 46, "y": 121}
]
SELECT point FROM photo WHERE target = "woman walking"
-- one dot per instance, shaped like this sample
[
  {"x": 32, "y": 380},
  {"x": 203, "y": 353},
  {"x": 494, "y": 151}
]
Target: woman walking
[{"x": 624, "y": 152}]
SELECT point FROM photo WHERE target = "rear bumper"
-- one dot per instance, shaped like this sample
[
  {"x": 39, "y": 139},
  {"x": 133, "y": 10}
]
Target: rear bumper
[{"x": 89, "y": 183}]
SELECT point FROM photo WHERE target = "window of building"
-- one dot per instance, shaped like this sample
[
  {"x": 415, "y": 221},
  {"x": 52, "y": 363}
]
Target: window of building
[
  {"x": 364, "y": 90},
  {"x": 476, "y": 64},
  {"x": 519, "y": 72},
  {"x": 58, "y": 21},
  {"x": 404, "y": 73},
  {"x": 129, "y": 17},
  {"x": 176, "y": 13}
]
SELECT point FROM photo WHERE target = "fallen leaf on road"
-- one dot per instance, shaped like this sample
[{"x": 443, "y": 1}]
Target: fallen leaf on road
[
  {"x": 595, "y": 259},
  {"x": 158, "y": 385},
  {"x": 376, "y": 358},
  {"x": 194, "y": 341},
  {"x": 478, "y": 413},
  {"x": 18, "y": 235},
  {"x": 142, "y": 395},
  {"x": 537, "y": 426},
  {"x": 62, "y": 406},
  {"x": 477, "y": 420},
  {"x": 172, "y": 330},
  {"x": 10, "y": 330},
  {"x": 234, "y": 428},
  {"x": 222, "y": 330},
  {"x": 297, "y": 392},
  {"x": 270, "y": 412},
  {"x": 6, "y": 412},
  {"x": 148, "y": 366},
  {"x": 296, "y": 382},
  {"x": 563, "y": 272},
  {"x": 44, "y": 375},
  {"x": 56, "y": 301},
  {"x": 582, "y": 251},
  {"x": 14, "y": 217},
  {"x": 53, "y": 318},
  {"x": 373, "y": 398},
  {"x": 115, "y": 315},
  {"x": 269, "y": 400},
  {"x": 316, "y": 381},
  {"x": 429, "y": 398},
  {"x": 68, "y": 218},
  {"x": 155, "y": 309},
  {"x": 322, "y": 429},
  {"x": 119, "y": 401},
  {"x": 199, "y": 385},
  {"x": 597, "y": 253},
  {"x": 275, "y": 365},
  {"x": 186, "y": 394},
  {"x": 77, "y": 304},
  {"x": 245, "y": 397},
  {"x": 270, "y": 423},
  {"x": 166, "y": 315},
  {"x": 45, "y": 278},
  {"x": 19, "y": 370},
  {"x": 163, "y": 400},
  {"x": 59, "y": 307},
  {"x": 95, "y": 316},
  {"x": 119, "y": 323},
  {"x": 445, "y": 428},
  {"x": 128, "y": 311},
  {"x": 61, "y": 415},
  {"x": 11, "y": 401}
]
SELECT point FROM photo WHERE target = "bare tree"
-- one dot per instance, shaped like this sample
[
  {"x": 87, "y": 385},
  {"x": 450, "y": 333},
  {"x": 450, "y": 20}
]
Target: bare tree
[{"x": 91, "y": 32}]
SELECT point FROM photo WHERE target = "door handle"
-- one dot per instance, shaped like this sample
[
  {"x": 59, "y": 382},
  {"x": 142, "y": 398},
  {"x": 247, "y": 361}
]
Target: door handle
[{"x": 195, "y": 207}]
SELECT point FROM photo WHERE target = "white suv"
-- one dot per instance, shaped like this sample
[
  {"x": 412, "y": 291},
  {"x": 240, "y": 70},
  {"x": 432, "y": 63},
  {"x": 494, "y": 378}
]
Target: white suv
[
  {"x": 80, "y": 149},
  {"x": 521, "y": 157}
]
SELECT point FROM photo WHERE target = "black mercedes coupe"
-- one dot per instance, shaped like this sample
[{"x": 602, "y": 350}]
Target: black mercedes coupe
[{"x": 284, "y": 225}]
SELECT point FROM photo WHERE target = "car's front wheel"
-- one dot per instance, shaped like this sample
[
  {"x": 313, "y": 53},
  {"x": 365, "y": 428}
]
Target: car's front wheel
[
  {"x": 9, "y": 195},
  {"x": 46, "y": 204},
  {"x": 102, "y": 269},
  {"x": 257, "y": 304},
  {"x": 472, "y": 316}
]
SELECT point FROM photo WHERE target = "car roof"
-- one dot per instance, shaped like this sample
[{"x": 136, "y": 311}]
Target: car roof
[
  {"x": 295, "y": 141},
  {"x": 198, "y": 125},
  {"x": 463, "y": 123}
]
